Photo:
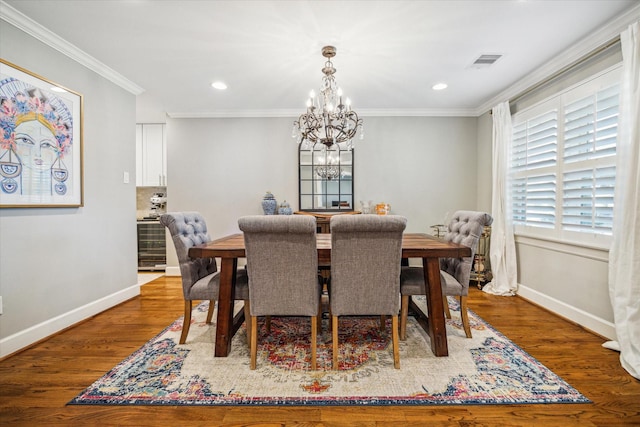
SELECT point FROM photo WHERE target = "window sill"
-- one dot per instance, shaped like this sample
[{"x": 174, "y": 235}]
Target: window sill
[{"x": 580, "y": 249}]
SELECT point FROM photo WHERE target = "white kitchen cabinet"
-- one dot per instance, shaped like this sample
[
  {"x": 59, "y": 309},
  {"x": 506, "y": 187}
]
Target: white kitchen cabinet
[{"x": 151, "y": 152}]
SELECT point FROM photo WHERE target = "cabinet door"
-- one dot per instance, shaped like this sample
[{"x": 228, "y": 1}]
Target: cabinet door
[{"x": 153, "y": 153}]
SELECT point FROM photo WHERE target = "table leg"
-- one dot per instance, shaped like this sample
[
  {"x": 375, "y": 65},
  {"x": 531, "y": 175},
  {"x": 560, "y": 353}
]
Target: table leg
[
  {"x": 226, "y": 298},
  {"x": 437, "y": 326}
]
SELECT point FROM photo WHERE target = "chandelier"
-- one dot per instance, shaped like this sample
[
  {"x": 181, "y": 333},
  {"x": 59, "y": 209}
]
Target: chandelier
[
  {"x": 330, "y": 169},
  {"x": 328, "y": 172},
  {"x": 328, "y": 120}
]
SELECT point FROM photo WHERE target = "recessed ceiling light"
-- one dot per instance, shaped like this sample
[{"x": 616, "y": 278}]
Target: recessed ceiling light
[
  {"x": 219, "y": 85},
  {"x": 440, "y": 86}
]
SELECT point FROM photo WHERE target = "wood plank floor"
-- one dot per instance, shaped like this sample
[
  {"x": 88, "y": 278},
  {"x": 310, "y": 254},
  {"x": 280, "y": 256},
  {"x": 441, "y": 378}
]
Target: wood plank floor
[{"x": 36, "y": 384}]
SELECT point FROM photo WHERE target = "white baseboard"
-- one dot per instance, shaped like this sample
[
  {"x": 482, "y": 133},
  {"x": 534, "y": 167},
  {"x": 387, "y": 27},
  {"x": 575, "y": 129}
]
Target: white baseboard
[
  {"x": 35, "y": 333},
  {"x": 172, "y": 271},
  {"x": 586, "y": 320}
]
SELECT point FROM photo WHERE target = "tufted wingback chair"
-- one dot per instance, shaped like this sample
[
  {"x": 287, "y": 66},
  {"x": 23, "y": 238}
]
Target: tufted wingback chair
[
  {"x": 365, "y": 270},
  {"x": 200, "y": 276},
  {"x": 282, "y": 263},
  {"x": 465, "y": 228}
]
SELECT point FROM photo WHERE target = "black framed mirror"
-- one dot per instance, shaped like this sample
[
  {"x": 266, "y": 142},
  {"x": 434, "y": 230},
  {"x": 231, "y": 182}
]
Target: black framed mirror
[{"x": 325, "y": 178}]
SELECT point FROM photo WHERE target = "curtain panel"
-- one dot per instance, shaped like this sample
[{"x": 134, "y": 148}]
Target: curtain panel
[
  {"x": 502, "y": 252},
  {"x": 624, "y": 255}
]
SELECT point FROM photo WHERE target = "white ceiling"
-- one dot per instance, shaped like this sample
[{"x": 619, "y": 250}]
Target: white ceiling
[{"x": 390, "y": 53}]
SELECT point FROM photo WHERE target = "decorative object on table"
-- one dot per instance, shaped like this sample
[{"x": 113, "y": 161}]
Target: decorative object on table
[
  {"x": 438, "y": 230},
  {"x": 383, "y": 208},
  {"x": 487, "y": 369},
  {"x": 269, "y": 204},
  {"x": 285, "y": 209},
  {"x": 328, "y": 120},
  {"x": 39, "y": 115},
  {"x": 366, "y": 206}
]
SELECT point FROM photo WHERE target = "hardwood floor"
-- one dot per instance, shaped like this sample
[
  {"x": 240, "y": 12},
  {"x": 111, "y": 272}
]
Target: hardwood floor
[{"x": 36, "y": 384}]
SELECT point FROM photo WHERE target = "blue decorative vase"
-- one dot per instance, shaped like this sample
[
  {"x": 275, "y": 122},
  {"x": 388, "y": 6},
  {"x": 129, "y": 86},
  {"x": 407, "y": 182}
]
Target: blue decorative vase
[
  {"x": 284, "y": 209},
  {"x": 269, "y": 204}
]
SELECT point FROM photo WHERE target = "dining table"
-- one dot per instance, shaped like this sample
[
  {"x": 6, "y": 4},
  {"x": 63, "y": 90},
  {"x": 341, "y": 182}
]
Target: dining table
[{"x": 414, "y": 245}]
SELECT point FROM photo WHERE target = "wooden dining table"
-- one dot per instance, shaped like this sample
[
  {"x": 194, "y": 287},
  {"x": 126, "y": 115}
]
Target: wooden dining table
[{"x": 414, "y": 245}]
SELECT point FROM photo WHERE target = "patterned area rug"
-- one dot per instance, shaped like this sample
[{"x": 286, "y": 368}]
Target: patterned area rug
[{"x": 486, "y": 369}]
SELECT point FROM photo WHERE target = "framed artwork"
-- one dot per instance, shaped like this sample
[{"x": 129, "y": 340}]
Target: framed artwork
[{"x": 40, "y": 141}]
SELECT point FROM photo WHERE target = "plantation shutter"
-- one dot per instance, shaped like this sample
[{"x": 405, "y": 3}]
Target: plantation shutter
[
  {"x": 590, "y": 137},
  {"x": 533, "y": 197}
]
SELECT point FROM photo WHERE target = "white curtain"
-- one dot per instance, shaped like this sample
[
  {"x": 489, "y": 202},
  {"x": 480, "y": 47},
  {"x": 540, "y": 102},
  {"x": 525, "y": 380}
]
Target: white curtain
[
  {"x": 502, "y": 250},
  {"x": 624, "y": 255}
]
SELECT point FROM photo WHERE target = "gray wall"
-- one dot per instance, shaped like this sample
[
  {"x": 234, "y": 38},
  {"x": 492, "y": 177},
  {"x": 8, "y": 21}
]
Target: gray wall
[
  {"x": 484, "y": 162},
  {"x": 60, "y": 265}
]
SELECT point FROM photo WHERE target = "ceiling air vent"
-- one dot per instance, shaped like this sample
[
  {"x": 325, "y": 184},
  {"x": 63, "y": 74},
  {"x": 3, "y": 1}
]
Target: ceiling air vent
[{"x": 485, "y": 61}]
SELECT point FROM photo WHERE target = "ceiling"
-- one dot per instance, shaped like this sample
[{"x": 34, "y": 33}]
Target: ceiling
[{"x": 389, "y": 53}]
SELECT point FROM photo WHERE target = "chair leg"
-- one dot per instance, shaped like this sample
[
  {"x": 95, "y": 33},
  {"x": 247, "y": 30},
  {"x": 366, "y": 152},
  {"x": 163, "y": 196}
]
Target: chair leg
[
  {"x": 445, "y": 304},
  {"x": 404, "y": 314},
  {"x": 394, "y": 339},
  {"x": 383, "y": 322},
  {"x": 212, "y": 306},
  {"x": 267, "y": 323},
  {"x": 254, "y": 341},
  {"x": 465, "y": 316},
  {"x": 187, "y": 321},
  {"x": 314, "y": 341},
  {"x": 334, "y": 330},
  {"x": 247, "y": 321},
  {"x": 319, "y": 320}
]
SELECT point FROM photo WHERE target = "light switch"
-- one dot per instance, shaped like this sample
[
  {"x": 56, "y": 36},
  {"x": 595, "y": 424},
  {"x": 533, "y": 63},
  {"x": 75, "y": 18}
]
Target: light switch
[{"x": 125, "y": 177}]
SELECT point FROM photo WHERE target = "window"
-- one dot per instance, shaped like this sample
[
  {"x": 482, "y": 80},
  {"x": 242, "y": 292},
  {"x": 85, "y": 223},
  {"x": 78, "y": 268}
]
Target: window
[{"x": 562, "y": 163}]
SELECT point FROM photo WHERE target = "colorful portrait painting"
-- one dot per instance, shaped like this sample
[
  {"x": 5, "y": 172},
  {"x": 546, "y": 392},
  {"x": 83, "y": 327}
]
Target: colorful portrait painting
[{"x": 40, "y": 141}]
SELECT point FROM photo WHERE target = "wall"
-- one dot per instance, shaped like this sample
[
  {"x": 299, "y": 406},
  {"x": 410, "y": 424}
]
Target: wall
[
  {"x": 484, "y": 162},
  {"x": 61, "y": 265},
  {"x": 423, "y": 166}
]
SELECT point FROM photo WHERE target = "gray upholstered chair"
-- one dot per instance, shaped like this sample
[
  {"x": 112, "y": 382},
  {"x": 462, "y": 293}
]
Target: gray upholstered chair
[
  {"x": 365, "y": 270},
  {"x": 200, "y": 276},
  {"x": 282, "y": 264},
  {"x": 465, "y": 228}
]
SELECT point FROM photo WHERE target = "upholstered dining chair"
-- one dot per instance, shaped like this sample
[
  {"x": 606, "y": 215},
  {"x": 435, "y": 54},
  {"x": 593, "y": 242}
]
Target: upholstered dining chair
[
  {"x": 200, "y": 276},
  {"x": 365, "y": 271},
  {"x": 282, "y": 265},
  {"x": 465, "y": 228}
]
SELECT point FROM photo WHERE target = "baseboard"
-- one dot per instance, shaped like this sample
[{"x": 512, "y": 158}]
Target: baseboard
[
  {"x": 29, "y": 336},
  {"x": 588, "y": 321},
  {"x": 172, "y": 271}
]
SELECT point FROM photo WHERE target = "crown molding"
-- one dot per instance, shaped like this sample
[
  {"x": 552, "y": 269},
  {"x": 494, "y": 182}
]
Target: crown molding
[
  {"x": 465, "y": 112},
  {"x": 603, "y": 35},
  {"x": 34, "y": 29}
]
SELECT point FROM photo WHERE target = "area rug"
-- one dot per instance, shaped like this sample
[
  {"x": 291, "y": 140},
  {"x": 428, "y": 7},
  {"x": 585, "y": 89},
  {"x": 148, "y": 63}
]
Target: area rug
[{"x": 486, "y": 369}]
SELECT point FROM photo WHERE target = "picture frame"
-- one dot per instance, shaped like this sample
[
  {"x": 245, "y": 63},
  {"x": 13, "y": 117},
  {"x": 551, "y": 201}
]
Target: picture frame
[{"x": 41, "y": 154}]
